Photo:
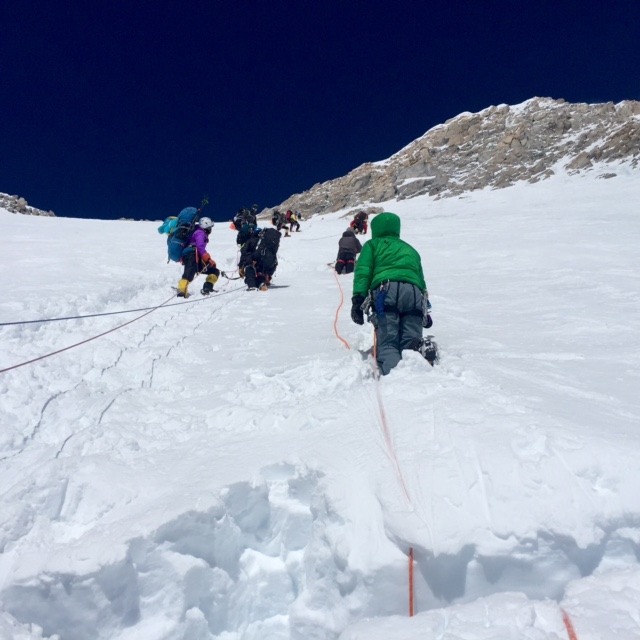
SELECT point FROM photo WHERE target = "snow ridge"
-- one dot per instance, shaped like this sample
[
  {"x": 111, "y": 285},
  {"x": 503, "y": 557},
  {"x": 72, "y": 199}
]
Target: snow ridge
[{"x": 495, "y": 147}]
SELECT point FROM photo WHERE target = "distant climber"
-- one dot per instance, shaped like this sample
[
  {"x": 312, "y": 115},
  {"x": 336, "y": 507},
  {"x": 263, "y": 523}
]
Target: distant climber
[
  {"x": 245, "y": 216},
  {"x": 360, "y": 222},
  {"x": 196, "y": 260},
  {"x": 279, "y": 221},
  {"x": 389, "y": 282},
  {"x": 246, "y": 232},
  {"x": 292, "y": 219},
  {"x": 348, "y": 248}
]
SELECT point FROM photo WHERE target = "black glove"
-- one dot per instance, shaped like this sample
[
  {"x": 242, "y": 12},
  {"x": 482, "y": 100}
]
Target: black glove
[
  {"x": 357, "y": 314},
  {"x": 427, "y": 322}
]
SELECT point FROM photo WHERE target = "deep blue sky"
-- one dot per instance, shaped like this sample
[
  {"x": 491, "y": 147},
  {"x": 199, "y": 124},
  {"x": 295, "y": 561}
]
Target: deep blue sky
[{"x": 137, "y": 109}]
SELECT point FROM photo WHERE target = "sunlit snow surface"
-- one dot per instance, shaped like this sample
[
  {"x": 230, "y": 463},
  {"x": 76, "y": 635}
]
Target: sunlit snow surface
[{"x": 221, "y": 469}]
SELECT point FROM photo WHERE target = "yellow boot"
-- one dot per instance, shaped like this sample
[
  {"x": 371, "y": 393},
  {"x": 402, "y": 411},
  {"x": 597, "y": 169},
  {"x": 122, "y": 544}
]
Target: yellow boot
[
  {"x": 183, "y": 285},
  {"x": 207, "y": 287}
]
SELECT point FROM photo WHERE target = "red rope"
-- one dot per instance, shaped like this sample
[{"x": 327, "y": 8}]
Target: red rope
[
  {"x": 77, "y": 344},
  {"x": 567, "y": 623}
]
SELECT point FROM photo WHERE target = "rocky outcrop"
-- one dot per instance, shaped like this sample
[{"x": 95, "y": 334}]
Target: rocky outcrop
[
  {"x": 493, "y": 148},
  {"x": 15, "y": 204}
]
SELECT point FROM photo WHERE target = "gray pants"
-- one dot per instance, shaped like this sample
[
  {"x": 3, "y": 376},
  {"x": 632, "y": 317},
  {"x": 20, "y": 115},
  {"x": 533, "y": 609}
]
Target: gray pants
[{"x": 399, "y": 327}]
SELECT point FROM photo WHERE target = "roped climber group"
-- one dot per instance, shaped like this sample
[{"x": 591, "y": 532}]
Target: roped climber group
[
  {"x": 388, "y": 282},
  {"x": 188, "y": 235},
  {"x": 286, "y": 222}
]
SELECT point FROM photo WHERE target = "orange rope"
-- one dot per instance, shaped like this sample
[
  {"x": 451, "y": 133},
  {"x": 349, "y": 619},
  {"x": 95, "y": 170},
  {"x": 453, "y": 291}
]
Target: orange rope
[
  {"x": 385, "y": 429},
  {"x": 335, "y": 322},
  {"x": 411, "y": 597},
  {"x": 383, "y": 414},
  {"x": 383, "y": 420},
  {"x": 567, "y": 623}
]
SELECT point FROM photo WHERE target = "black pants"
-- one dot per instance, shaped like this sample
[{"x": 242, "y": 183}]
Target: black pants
[
  {"x": 260, "y": 271},
  {"x": 193, "y": 266},
  {"x": 345, "y": 262},
  {"x": 252, "y": 278}
]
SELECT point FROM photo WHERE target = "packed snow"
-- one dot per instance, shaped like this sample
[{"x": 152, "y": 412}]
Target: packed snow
[{"x": 227, "y": 469}]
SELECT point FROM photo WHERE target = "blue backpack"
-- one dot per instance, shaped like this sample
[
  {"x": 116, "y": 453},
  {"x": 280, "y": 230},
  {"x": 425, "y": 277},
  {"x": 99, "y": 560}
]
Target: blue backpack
[
  {"x": 168, "y": 225},
  {"x": 178, "y": 241}
]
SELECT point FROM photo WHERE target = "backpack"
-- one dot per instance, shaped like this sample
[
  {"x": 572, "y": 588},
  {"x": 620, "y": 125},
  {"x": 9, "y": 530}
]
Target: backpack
[
  {"x": 269, "y": 243},
  {"x": 266, "y": 250},
  {"x": 168, "y": 225},
  {"x": 178, "y": 241},
  {"x": 289, "y": 214}
]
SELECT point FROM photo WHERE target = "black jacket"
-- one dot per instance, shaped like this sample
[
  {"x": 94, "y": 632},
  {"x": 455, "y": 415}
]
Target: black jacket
[
  {"x": 246, "y": 254},
  {"x": 349, "y": 245}
]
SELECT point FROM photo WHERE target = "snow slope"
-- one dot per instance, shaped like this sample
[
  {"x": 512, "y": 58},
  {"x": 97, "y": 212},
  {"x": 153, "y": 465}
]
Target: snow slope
[{"x": 228, "y": 469}]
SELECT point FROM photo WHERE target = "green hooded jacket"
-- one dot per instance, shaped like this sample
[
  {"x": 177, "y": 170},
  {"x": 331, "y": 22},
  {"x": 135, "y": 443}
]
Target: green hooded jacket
[{"x": 386, "y": 257}]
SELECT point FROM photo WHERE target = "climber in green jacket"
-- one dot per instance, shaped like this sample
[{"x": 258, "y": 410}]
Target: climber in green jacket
[{"x": 389, "y": 273}]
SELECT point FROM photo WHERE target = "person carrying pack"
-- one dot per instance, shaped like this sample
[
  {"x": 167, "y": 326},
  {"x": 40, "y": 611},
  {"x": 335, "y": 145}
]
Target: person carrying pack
[
  {"x": 247, "y": 231},
  {"x": 259, "y": 259},
  {"x": 279, "y": 221},
  {"x": 246, "y": 216},
  {"x": 196, "y": 259},
  {"x": 360, "y": 222},
  {"x": 252, "y": 218},
  {"x": 247, "y": 246},
  {"x": 348, "y": 248},
  {"x": 246, "y": 254},
  {"x": 389, "y": 282}
]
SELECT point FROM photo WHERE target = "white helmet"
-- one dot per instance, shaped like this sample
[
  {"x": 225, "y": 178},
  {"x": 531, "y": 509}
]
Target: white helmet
[{"x": 205, "y": 223}]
